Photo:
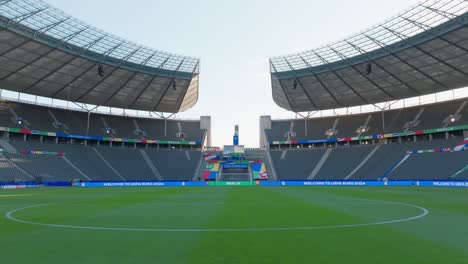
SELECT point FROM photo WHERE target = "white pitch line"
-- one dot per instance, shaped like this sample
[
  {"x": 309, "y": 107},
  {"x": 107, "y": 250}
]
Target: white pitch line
[
  {"x": 16, "y": 195},
  {"x": 424, "y": 212}
]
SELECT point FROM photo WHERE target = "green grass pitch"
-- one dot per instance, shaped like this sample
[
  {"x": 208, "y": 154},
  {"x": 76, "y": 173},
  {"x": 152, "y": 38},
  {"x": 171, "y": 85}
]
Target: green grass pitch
[{"x": 234, "y": 225}]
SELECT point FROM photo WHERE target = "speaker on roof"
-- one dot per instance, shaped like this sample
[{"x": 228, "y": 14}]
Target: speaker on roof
[
  {"x": 369, "y": 68},
  {"x": 101, "y": 70},
  {"x": 295, "y": 84}
]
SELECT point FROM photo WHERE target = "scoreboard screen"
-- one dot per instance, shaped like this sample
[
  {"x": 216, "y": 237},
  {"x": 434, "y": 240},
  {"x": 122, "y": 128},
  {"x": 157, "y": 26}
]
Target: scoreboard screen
[{"x": 228, "y": 150}]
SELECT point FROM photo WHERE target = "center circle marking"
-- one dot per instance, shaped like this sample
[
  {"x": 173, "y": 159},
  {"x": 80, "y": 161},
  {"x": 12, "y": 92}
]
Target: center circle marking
[{"x": 423, "y": 212}]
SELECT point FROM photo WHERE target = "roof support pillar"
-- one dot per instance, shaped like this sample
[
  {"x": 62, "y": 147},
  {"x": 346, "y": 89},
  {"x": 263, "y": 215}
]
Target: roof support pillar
[
  {"x": 165, "y": 118},
  {"x": 386, "y": 106},
  {"x": 306, "y": 117}
]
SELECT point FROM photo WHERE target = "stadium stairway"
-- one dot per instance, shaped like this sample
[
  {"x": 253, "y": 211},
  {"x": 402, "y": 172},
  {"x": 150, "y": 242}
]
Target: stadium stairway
[
  {"x": 320, "y": 164},
  {"x": 108, "y": 164},
  {"x": 174, "y": 164},
  {"x": 10, "y": 172},
  {"x": 430, "y": 166},
  {"x": 198, "y": 175},
  {"x": 298, "y": 163},
  {"x": 5, "y": 144},
  {"x": 265, "y": 157},
  {"x": 341, "y": 162},
  {"x": 46, "y": 167},
  {"x": 363, "y": 162},
  {"x": 129, "y": 163},
  {"x": 150, "y": 164},
  {"x": 98, "y": 163},
  {"x": 76, "y": 168},
  {"x": 461, "y": 174}
]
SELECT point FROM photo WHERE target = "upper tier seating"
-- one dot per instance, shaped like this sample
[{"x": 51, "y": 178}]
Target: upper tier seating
[
  {"x": 424, "y": 117},
  {"x": 75, "y": 122}
]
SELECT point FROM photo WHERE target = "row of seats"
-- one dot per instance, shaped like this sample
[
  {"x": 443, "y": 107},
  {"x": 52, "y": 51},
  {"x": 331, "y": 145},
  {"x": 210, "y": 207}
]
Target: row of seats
[
  {"x": 369, "y": 162},
  {"x": 97, "y": 163},
  {"x": 9, "y": 172},
  {"x": 75, "y": 122},
  {"x": 399, "y": 120},
  {"x": 431, "y": 166}
]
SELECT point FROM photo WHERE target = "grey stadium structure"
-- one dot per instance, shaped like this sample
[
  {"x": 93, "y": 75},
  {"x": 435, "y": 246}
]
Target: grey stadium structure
[
  {"x": 419, "y": 53},
  {"x": 51, "y": 58}
]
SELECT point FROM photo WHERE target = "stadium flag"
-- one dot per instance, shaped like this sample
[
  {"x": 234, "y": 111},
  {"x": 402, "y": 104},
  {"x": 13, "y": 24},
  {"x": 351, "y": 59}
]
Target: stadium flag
[{"x": 462, "y": 145}]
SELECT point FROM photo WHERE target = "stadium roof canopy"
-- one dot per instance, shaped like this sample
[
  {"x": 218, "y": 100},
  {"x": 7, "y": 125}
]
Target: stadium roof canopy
[
  {"x": 421, "y": 51},
  {"x": 45, "y": 52}
]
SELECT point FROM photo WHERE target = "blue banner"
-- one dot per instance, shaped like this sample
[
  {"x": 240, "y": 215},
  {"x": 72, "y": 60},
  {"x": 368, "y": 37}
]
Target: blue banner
[
  {"x": 143, "y": 184},
  {"x": 235, "y": 166},
  {"x": 415, "y": 183},
  {"x": 63, "y": 135},
  {"x": 313, "y": 141},
  {"x": 459, "y": 184}
]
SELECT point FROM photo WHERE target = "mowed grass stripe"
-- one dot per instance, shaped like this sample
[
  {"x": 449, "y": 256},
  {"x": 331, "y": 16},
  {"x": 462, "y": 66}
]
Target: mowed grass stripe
[
  {"x": 165, "y": 208},
  {"x": 112, "y": 246},
  {"x": 379, "y": 244},
  {"x": 445, "y": 225},
  {"x": 261, "y": 208},
  {"x": 438, "y": 238},
  {"x": 77, "y": 211},
  {"x": 359, "y": 210}
]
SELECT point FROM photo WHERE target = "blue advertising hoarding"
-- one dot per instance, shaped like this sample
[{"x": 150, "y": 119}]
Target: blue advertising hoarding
[{"x": 455, "y": 184}]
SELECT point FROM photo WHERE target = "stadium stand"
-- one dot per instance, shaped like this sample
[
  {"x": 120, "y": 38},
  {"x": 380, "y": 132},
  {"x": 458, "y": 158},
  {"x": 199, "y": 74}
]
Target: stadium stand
[
  {"x": 46, "y": 168},
  {"x": 461, "y": 174},
  {"x": 10, "y": 173},
  {"x": 341, "y": 161},
  {"x": 75, "y": 122},
  {"x": 388, "y": 155},
  {"x": 128, "y": 162},
  {"x": 92, "y": 70},
  {"x": 101, "y": 163},
  {"x": 430, "y": 166},
  {"x": 362, "y": 162},
  {"x": 175, "y": 165},
  {"x": 430, "y": 116},
  {"x": 155, "y": 128},
  {"x": 84, "y": 158},
  {"x": 295, "y": 164},
  {"x": 382, "y": 159}
]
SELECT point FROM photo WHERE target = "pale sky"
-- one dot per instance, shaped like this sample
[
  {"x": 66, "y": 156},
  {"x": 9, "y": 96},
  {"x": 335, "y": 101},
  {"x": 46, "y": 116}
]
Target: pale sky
[{"x": 234, "y": 40}]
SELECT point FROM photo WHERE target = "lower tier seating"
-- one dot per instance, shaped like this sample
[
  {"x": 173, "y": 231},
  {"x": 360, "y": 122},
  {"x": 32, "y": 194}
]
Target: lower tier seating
[
  {"x": 97, "y": 163},
  {"x": 369, "y": 162}
]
